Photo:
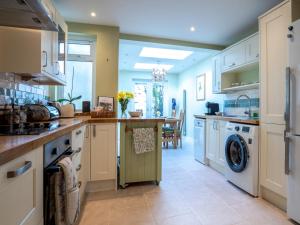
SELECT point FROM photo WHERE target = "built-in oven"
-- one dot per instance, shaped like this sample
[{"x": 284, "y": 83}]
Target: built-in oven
[{"x": 54, "y": 151}]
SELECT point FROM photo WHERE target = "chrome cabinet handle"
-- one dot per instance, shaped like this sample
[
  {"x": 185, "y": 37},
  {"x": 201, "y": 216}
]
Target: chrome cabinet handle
[
  {"x": 19, "y": 171},
  {"x": 94, "y": 130},
  {"x": 78, "y": 132},
  {"x": 287, "y": 121},
  {"x": 46, "y": 61},
  {"x": 78, "y": 168},
  {"x": 87, "y": 132},
  {"x": 79, "y": 184},
  {"x": 78, "y": 150},
  {"x": 287, "y": 98},
  {"x": 57, "y": 65},
  {"x": 233, "y": 64},
  {"x": 286, "y": 153}
]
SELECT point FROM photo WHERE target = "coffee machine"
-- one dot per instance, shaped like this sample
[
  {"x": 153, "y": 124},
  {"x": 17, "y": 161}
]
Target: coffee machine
[{"x": 212, "y": 108}]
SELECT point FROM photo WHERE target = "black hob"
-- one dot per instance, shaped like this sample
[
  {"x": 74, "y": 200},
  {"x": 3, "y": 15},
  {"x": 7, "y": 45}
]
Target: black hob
[{"x": 35, "y": 128}]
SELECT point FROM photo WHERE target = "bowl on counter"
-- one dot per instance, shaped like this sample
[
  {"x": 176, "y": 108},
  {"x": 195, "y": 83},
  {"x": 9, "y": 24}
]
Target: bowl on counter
[{"x": 135, "y": 114}]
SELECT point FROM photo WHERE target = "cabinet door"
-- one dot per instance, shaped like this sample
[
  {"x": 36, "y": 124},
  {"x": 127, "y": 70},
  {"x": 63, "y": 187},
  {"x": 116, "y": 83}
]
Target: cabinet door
[
  {"x": 212, "y": 139},
  {"x": 86, "y": 160},
  {"x": 252, "y": 49},
  {"x": 46, "y": 53},
  {"x": 103, "y": 152},
  {"x": 22, "y": 196},
  {"x": 272, "y": 158},
  {"x": 222, "y": 138},
  {"x": 273, "y": 61},
  {"x": 234, "y": 57},
  {"x": 216, "y": 74}
]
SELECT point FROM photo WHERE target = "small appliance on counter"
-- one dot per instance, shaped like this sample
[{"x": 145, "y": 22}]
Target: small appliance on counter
[
  {"x": 212, "y": 108},
  {"x": 31, "y": 119},
  {"x": 36, "y": 112},
  {"x": 86, "y": 106}
]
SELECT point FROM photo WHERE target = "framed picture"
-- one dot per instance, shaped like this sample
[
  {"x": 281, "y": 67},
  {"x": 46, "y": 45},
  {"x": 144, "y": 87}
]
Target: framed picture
[
  {"x": 106, "y": 103},
  {"x": 200, "y": 87}
]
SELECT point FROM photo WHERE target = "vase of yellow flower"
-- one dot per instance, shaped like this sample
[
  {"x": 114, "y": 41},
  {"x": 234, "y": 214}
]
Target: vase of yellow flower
[{"x": 123, "y": 98}]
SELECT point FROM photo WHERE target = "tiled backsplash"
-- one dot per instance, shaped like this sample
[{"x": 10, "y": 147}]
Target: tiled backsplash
[
  {"x": 12, "y": 87},
  {"x": 254, "y": 102},
  {"x": 231, "y": 107}
]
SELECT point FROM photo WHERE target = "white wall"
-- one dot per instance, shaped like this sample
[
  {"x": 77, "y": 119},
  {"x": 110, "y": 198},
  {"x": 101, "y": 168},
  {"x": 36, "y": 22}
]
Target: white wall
[
  {"x": 127, "y": 80},
  {"x": 187, "y": 81}
]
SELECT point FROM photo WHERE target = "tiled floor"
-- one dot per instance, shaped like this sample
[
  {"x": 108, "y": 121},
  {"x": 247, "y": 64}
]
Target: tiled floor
[{"x": 190, "y": 194}]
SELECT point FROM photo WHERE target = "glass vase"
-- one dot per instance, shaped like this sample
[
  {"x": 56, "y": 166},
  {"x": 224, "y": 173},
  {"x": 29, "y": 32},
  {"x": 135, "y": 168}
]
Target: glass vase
[{"x": 124, "y": 114}]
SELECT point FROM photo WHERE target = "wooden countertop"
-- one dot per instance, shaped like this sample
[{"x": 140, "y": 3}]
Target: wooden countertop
[
  {"x": 243, "y": 120},
  {"x": 11, "y": 147}
]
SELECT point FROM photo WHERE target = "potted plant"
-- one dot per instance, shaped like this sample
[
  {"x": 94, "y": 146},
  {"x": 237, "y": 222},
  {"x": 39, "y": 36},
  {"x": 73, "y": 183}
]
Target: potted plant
[
  {"x": 68, "y": 110},
  {"x": 123, "y": 98}
]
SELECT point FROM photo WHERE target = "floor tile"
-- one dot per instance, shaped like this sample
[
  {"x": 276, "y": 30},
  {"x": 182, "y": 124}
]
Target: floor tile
[{"x": 189, "y": 194}]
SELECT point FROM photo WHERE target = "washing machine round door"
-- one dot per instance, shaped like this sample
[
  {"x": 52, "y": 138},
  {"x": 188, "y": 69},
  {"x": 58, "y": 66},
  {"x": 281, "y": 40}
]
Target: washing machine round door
[{"x": 236, "y": 153}]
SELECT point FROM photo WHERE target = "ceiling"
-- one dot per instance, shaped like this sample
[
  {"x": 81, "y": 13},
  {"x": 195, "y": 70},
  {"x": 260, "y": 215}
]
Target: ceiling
[
  {"x": 129, "y": 52},
  {"x": 220, "y": 22}
]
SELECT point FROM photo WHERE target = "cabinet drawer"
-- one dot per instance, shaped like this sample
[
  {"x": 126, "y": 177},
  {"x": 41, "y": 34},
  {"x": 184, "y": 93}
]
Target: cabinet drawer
[
  {"x": 22, "y": 196},
  {"x": 78, "y": 138}
]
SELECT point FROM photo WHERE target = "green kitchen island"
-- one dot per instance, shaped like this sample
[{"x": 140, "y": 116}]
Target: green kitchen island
[{"x": 142, "y": 167}]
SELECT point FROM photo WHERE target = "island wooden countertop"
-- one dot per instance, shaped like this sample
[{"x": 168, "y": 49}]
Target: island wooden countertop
[
  {"x": 11, "y": 147},
  {"x": 235, "y": 119}
]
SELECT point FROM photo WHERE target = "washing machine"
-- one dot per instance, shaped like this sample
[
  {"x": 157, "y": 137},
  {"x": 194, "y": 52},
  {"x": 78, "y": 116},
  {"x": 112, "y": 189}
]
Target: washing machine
[{"x": 242, "y": 155}]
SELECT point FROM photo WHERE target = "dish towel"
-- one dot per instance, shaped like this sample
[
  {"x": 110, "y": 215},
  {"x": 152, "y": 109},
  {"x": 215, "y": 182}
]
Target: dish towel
[
  {"x": 67, "y": 193},
  {"x": 143, "y": 140}
]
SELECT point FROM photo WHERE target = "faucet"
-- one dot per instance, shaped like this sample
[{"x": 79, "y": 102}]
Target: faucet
[{"x": 249, "y": 109}]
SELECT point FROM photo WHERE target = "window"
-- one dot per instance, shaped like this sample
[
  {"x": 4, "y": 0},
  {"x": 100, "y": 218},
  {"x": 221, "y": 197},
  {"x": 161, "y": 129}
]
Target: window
[
  {"x": 149, "y": 97},
  {"x": 80, "y": 70}
]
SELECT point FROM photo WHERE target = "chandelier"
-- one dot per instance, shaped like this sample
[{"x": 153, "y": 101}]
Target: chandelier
[{"x": 159, "y": 74}]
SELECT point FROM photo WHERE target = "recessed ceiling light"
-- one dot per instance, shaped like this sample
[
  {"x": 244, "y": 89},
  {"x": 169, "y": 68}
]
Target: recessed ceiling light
[
  {"x": 151, "y": 66},
  {"x": 192, "y": 28},
  {"x": 163, "y": 53},
  {"x": 93, "y": 14}
]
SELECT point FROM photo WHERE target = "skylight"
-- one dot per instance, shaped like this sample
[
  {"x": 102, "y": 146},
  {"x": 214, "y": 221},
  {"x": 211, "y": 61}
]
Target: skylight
[
  {"x": 163, "y": 53},
  {"x": 150, "y": 66}
]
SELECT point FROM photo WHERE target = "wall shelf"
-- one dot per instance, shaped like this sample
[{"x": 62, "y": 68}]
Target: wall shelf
[{"x": 242, "y": 87}]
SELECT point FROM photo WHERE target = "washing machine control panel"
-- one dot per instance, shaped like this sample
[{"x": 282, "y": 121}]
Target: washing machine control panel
[
  {"x": 246, "y": 129},
  {"x": 237, "y": 128}
]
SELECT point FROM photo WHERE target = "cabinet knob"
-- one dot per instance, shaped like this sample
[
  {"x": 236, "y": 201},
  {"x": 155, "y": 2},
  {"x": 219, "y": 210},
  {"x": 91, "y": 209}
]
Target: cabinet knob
[
  {"x": 54, "y": 151},
  {"x": 290, "y": 36},
  {"x": 78, "y": 168},
  {"x": 290, "y": 28}
]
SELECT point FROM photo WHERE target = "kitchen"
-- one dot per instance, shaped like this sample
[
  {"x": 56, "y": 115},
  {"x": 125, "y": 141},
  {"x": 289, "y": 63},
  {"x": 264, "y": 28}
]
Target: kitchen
[{"x": 249, "y": 98}]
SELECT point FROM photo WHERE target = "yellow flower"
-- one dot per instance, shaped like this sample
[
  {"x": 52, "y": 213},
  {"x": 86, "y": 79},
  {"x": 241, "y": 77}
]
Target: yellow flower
[{"x": 124, "y": 95}]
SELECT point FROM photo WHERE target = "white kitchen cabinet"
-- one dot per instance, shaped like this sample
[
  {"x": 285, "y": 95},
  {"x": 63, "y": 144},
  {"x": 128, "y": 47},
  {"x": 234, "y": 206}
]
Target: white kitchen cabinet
[
  {"x": 22, "y": 195},
  {"x": 252, "y": 49},
  {"x": 212, "y": 139},
  {"x": 272, "y": 156},
  {"x": 85, "y": 174},
  {"x": 273, "y": 61},
  {"x": 222, "y": 138},
  {"x": 216, "y": 74},
  {"x": 80, "y": 137},
  {"x": 234, "y": 57},
  {"x": 103, "y": 151},
  {"x": 215, "y": 141}
]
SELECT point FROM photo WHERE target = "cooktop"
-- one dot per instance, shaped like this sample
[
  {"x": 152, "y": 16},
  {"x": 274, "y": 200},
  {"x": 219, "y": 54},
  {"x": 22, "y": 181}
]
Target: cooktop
[{"x": 35, "y": 128}]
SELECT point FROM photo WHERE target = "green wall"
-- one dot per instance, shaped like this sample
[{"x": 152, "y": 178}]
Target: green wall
[{"x": 107, "y": 56}]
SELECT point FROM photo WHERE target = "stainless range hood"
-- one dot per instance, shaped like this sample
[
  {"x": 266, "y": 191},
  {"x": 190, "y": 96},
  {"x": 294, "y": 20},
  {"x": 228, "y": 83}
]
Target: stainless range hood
[{"x": 26, "y": 14}]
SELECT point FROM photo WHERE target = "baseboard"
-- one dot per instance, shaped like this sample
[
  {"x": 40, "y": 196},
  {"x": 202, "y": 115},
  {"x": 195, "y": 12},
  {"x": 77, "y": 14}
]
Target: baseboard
[
  {"x": 273, "y": 198},
  {"x": 103, "y": 185},
  {"x": 216, "y": 166}
]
